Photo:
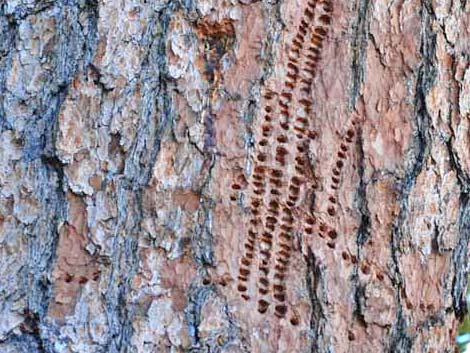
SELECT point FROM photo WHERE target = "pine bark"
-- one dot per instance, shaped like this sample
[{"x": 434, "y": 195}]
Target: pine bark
[{"x": 200, "y": 176}]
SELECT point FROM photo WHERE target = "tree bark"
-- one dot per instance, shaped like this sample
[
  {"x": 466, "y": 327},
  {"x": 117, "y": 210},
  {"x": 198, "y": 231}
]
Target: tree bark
[{"x": 233, "y": 176}]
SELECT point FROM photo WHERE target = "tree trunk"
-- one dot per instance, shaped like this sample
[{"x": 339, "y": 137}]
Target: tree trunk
[{"x": 233, "y": 176}]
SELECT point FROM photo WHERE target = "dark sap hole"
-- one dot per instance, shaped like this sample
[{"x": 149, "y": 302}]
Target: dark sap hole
[
  {"x": 331, "y": 245},
  {"x": 233, "y": 198},
  {"x": 305, "y": 102},
  {"x": 259, "y": 169},
  {"x": 354, "y": 259},
  {"x": 325, "y": 19},
  {"x": 350, "y": 133},
  {"x": 263, "y": 291},
  {"x": 285, "y": 236},
  {"x": 263, "y": 304},
  {"x": 279, "y": 276},
  {"x": 292, "y": 76},
  {"x": 246, "y": 297},
  {"x": 287, "y": 211},
  {"x": 320, "y": 31},
  {"x": 351, "y": 336},
  {"x": 343, "y": 147},
  {"x": 244, "y": 272},
  {"x": 286, "y": 228},
  {"x": 365, "y": 269},
  {"x": 284, "y": 253},
  {"x": 241, "y": 278},
  {"x": 300, "y": 161},
  {"x": 339, "y": 164},
  {"x": 341, "y": 155},
  {"x": 267, "y": 235},
  {"x": 263, "y": 142},
  {"x": 264, "y": 281},
  {"x": 345, "y": 256},
  {"x": 281, "y": 309},
  {"x": 285, "y": 112},
  {"x": 270, "y": 219},
  {"x": 315, "y": 51},
  {"x": 287, "y": 95},
  {"x": 285, "y": 126},
  {"x": 293, "y": 67},
  {"x": 273, "y": 211},
  {"x": 267, "y": 241},
  {"x": 308, "y": 13},
  {"x": 275, "y": 192},
  {"x": 249, "y": 247},
  {"x": 282, "y": 139},
  {"x": 280, "y": 297},
  {"x": 309, "y": 230},
  {"x": 268, "y": 118},
  {"x": 285, "y": 247},
  {"x": 296, "y": 180},
  {"x": 311, "y": 220},
  {"x": 274, "y": 204},
  {"x": 331, "y": 211},
  {"x": 276, "y": 182},
  {"x": 259, "y": 191},
  {"x": 302, "y": 120},
  {"x": 241, "y": 288},
  {"x": 322, "y": 227},
  {"x": 314, "y": 57},
  {"x": 335, "y": 180},
  {"x": 299, "y": 170},
  {"x": 333, "y": 234},
  {"x": 312, "y": 135},
  {"x": 294, "y": 321},
  {"x": 264, "y": 269},
  {"x": 294, "y": 189},
  {"x": 245, "y": 262},
  {"x": 265, "y": 253},
  {"x": 256, "y": 202},
  {"x": 236, "y": 187},
  {"x": 268, "y": 109},
  {"x": 288, "y": 220}
]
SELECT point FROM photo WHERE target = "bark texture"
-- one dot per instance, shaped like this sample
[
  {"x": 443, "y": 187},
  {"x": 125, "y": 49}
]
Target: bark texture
[{"x": 233, "y": 176}]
